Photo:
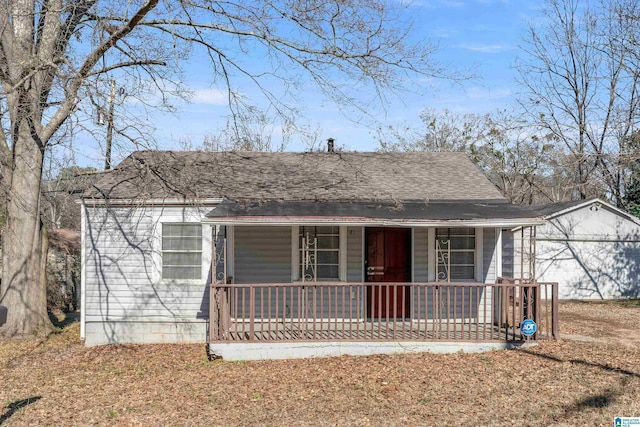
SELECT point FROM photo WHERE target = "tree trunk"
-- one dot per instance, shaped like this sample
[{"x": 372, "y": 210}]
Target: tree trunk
[{"x": 24, "y": 248}]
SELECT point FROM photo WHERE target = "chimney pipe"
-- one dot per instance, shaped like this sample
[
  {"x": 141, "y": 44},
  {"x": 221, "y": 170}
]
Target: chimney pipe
[{"x": 330, "y": 147}]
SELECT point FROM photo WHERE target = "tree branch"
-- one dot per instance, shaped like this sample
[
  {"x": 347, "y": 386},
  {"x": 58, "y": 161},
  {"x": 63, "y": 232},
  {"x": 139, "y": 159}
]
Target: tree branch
[{"x": 91, "y": 60}]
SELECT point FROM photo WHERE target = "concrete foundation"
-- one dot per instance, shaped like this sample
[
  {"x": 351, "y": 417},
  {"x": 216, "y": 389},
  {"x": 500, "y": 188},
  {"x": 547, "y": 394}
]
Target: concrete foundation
[
  {"x": 300, "y": 350},
  {"x": 114, "y": 332}
]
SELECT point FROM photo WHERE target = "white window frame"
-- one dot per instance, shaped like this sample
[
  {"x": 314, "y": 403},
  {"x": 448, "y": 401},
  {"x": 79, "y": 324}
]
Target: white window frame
[
  {"x": 295, "y": 253},
  {"x": 186, "y": 215},
  {"x": 163, "y": 251},
  {"x": 476, "y": 257}
]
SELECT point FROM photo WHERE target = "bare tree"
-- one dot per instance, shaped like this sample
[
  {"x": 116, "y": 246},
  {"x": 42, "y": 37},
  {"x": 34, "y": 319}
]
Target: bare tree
[
  {"x": 519, "y": 159},
  {"x": 580, "y": 70},
  {"x": 61, "y": 189},
  {"x": 256, "y": 130},
  {"x": 438, "y": 131},
  {"x": 53, "y": 53}
]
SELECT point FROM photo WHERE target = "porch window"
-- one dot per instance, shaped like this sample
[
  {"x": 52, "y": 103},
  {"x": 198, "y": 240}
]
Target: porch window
[
  {"x": 181, "y": 251},
  {"x": 327, "y": 264},
  {"x": 456, "y": 247}
]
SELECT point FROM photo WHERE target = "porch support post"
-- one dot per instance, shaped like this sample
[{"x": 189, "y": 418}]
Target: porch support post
[
  {"x": 213, "y": 318},
  {"x": 229, "y": 256},
  {"x": 479, "y": 273},
  {"x": 498, "y": 252},
  {"x": 522, "y": 255},
  {"x": 431, "y": 255},
  {"x": 532, "y": 258},
  {"x": 218, "y": 290},
  {"x": 213, "y": 290}
]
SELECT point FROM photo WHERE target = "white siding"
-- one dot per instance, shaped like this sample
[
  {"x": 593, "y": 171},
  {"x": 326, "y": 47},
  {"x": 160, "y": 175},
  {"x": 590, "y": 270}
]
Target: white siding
[
  {"x": 507, "y": 253},
  {"x": 488, "y": 256},
  {"x": 127, "y": 301},
  {"x": 123, "y": 285},
  {"x": 590, "y": 223},
  {"x": 522, "y": 248},
  {"x": 593, "y": 253}
]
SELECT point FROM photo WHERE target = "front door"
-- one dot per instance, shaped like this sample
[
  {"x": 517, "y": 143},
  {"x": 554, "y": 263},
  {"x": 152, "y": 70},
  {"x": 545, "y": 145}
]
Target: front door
[{"x": 388, "y": 260}]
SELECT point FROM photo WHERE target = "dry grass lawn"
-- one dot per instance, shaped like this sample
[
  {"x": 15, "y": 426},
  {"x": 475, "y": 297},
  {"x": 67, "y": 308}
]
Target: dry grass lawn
[{"x": 586, "y": 380}]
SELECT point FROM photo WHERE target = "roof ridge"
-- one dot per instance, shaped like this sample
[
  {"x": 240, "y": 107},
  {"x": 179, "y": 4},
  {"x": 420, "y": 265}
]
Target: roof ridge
[{"x": 296, "y": 175}]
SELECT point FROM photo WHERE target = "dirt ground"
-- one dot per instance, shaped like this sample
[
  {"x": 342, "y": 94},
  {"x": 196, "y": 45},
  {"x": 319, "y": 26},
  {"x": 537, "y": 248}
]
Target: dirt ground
[
  {"x": 603, "y": 321},
  {"x": 588, "y": 379}
]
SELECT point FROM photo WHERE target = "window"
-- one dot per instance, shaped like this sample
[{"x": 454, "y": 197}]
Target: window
[
  {"x": 327, "y": 250},
  {"x": 181, "y": 251},
  {"x": 460, "y": 243}
]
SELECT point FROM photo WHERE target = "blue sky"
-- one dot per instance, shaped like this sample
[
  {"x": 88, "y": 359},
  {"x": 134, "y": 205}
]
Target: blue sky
[{"x": 480, "y": 36}]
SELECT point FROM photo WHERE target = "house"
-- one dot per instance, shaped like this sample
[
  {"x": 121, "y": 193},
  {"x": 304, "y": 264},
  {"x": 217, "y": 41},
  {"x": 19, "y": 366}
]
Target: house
[
  {"x": 590, "y": 247},
  {"x": 63, "y": 269},
  {"x": 272, "y": 255}
]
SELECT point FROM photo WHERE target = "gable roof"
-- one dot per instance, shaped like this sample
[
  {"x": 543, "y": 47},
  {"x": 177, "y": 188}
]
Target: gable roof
[
  {"x": 553, "y": 210},
  {"x": 260, "y": 176}
]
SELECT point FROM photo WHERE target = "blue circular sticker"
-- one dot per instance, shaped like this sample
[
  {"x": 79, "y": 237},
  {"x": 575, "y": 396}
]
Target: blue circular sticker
[{"x": 528, "y": 327}]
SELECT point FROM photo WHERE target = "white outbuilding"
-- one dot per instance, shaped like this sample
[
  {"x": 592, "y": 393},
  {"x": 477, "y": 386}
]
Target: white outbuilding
[{"x": 590, "y": 247}]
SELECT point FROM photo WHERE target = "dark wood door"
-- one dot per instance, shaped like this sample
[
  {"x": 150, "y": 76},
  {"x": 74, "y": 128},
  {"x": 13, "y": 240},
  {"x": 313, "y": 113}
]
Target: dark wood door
[{"x": 388, "y": 260}]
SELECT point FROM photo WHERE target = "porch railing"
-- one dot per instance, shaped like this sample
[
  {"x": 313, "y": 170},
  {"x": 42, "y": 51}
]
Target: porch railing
[{"x": 340, "y": 311}]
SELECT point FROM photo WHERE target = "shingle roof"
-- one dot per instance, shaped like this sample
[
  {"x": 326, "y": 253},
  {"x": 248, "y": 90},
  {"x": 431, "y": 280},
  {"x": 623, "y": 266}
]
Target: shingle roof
[
  {"x": 425, "y": 212},
  {"x": 553, "y": 208},
  {"x": 256, "y": 176}
]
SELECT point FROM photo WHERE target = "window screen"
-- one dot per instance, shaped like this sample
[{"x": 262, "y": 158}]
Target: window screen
[
  {"x": 181, "y": 251},
  {"x": 461, "y": 245},
  {"x": 328, "y": 252}
]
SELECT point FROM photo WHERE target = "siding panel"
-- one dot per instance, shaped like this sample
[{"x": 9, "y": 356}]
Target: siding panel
[
  {"x": 262, "y": 254},
  {"x": 459, "y": 302},
  {"x": 122, "y": 271},
  {"x": 355, "y": 261},
  {"x": 488, "y": 261},
  {"x": 508, "y": 264},
  {"x": 420, "y": 256},
  {"x": 590, "y": 270}
]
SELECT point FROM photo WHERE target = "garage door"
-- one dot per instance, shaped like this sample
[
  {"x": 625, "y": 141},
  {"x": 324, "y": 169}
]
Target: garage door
[{"x": 593, "y": 269}]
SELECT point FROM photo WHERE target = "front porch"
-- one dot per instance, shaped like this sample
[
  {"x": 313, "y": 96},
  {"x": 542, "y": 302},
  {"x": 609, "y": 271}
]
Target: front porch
[
  {"x": 297, "y": 280},
  {"x": 319, "y": 318}
]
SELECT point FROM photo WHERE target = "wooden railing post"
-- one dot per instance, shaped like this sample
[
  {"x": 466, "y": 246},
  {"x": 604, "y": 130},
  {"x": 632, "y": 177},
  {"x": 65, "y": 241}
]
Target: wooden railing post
[
  {"x": 225, "y": 313},
  {"x": 252, "y": 312},
  {"x": 218, "y": 312},
  {"x": 213, "y": 313},
  {"x": 537, "y": 308},
  {"x": 555, "y": 311}
]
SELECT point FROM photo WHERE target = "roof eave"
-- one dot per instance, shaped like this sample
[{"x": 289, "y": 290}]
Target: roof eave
[
  {"x": 591, "y": 202},
  {"x": 372, "y": 222},
  {"x": 169, "y": 201}
]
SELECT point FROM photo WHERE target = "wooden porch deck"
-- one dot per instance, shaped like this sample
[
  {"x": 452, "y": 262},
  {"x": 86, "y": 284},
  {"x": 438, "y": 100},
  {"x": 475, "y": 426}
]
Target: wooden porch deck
[{"x": 374, "y": 331}]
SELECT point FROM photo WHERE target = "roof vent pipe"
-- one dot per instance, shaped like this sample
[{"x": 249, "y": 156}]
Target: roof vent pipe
[{"x": 330, "y": 147}]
